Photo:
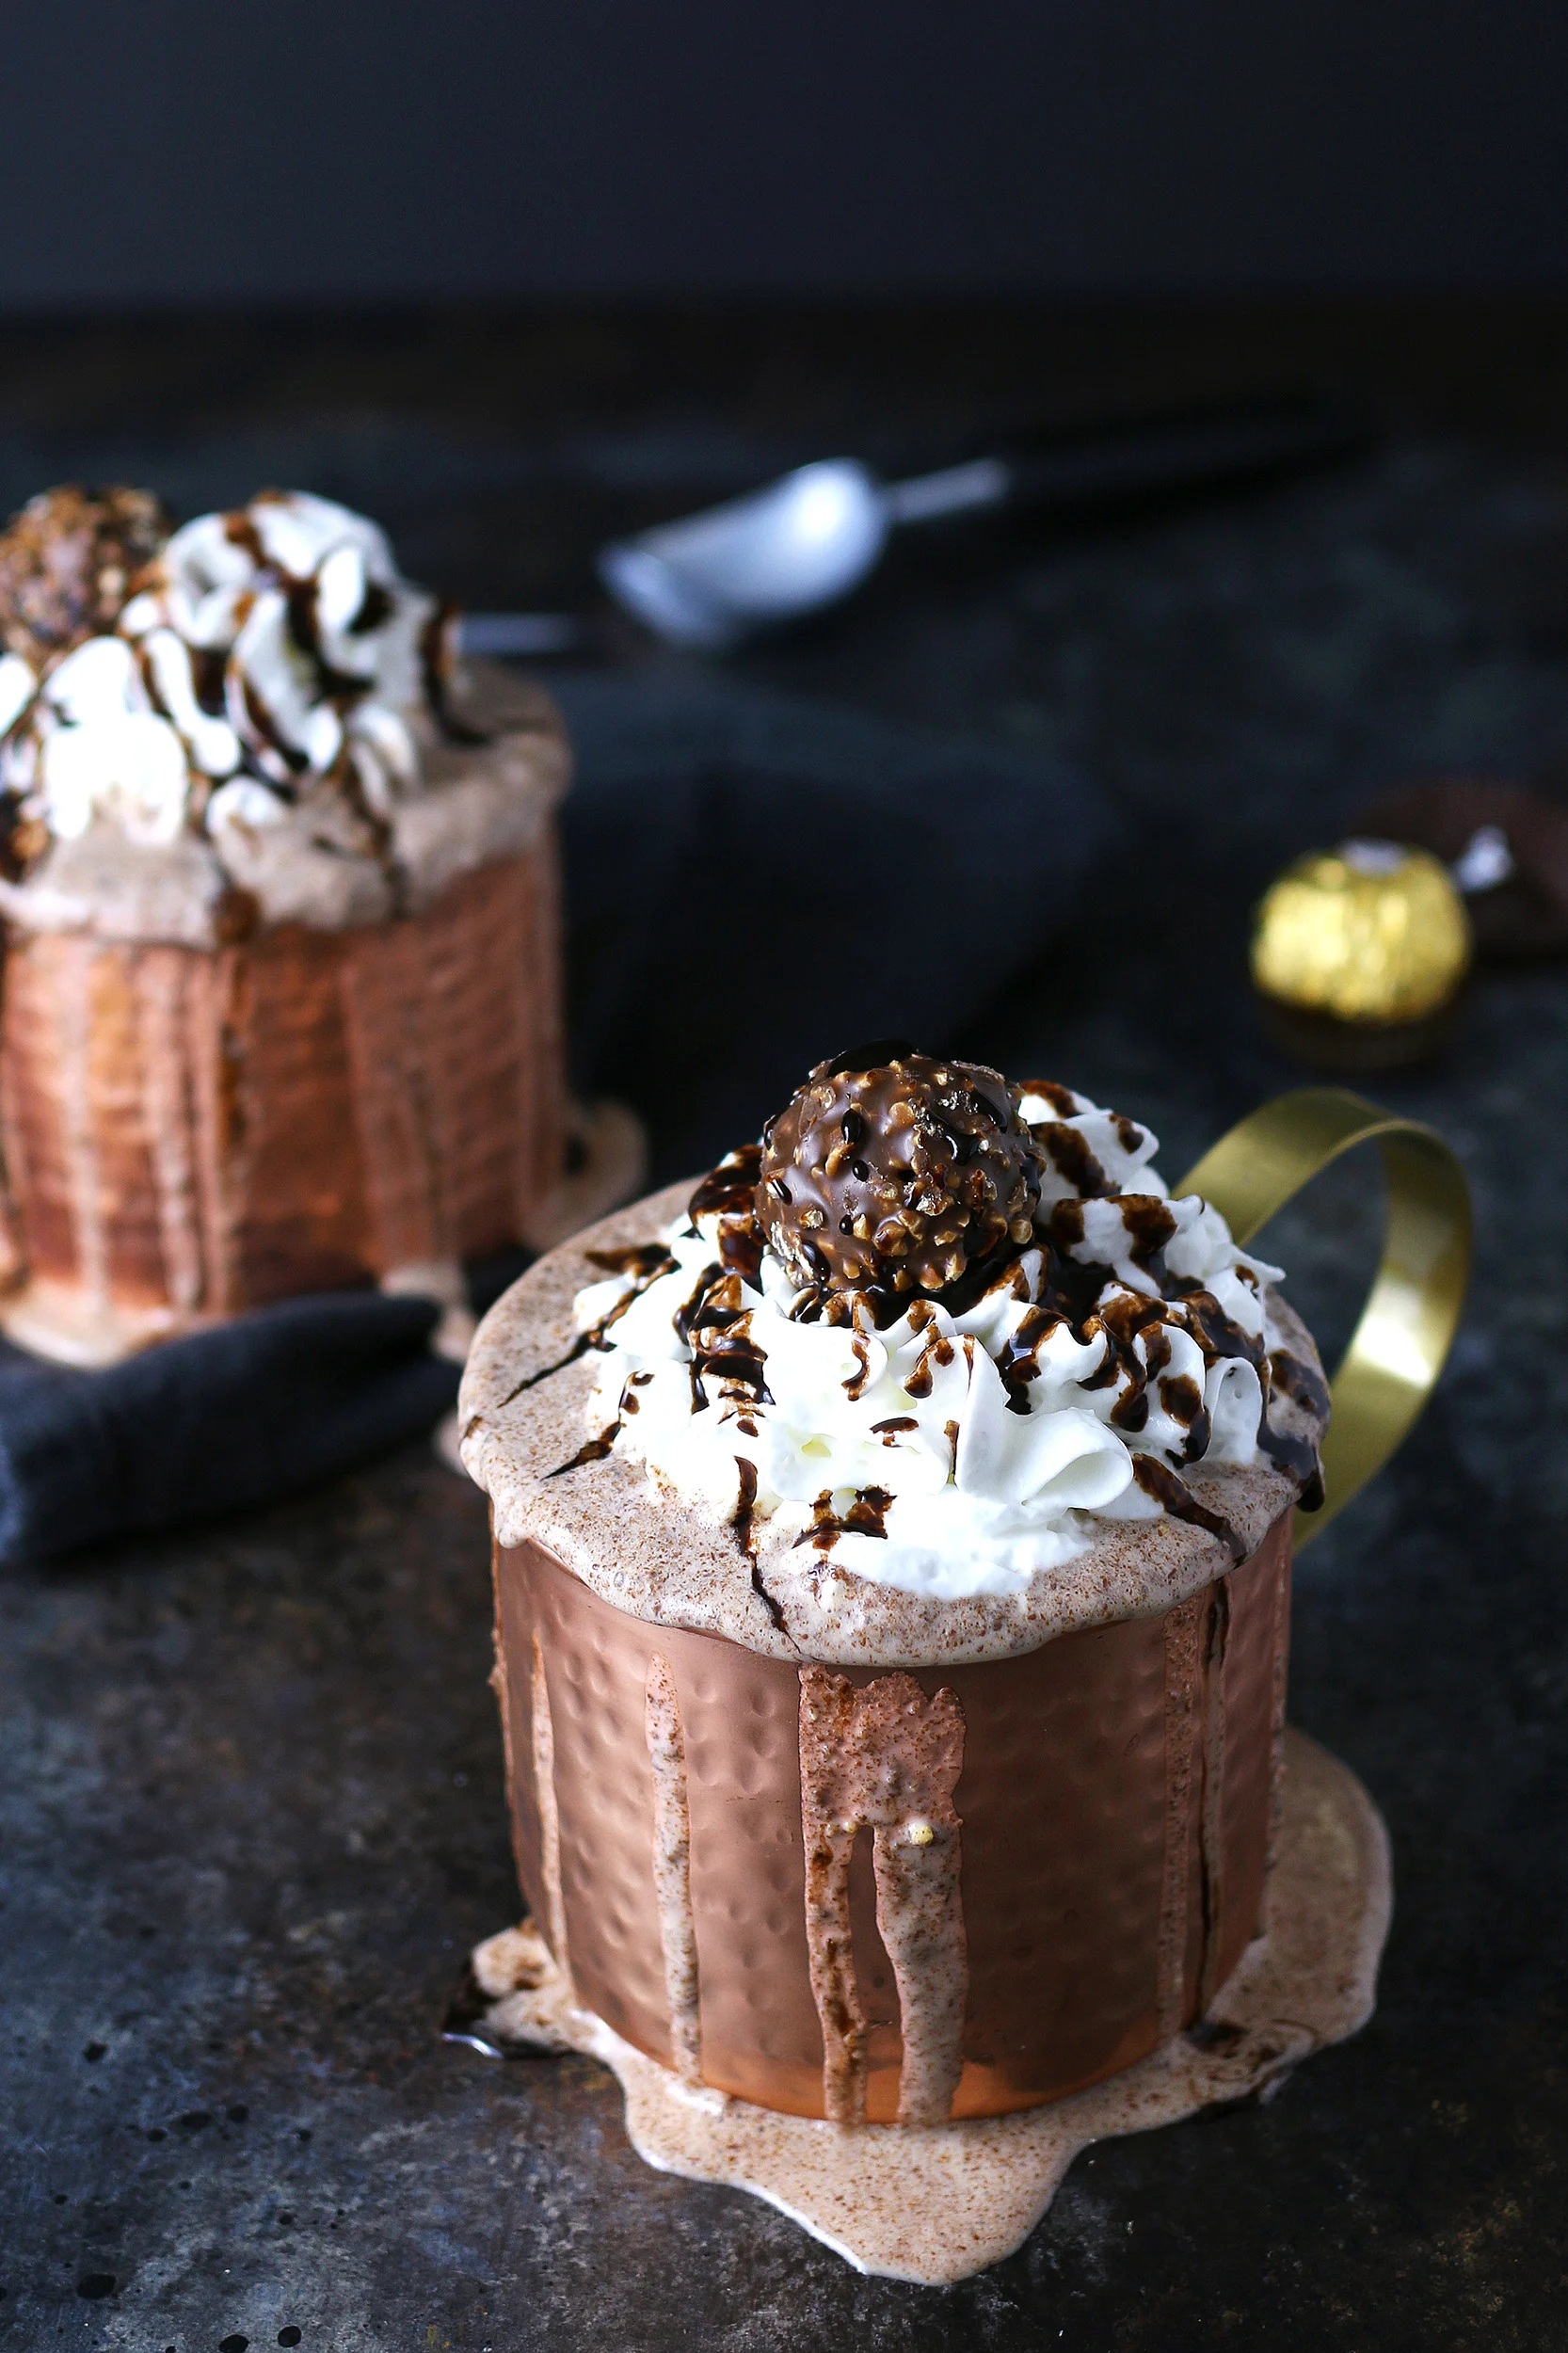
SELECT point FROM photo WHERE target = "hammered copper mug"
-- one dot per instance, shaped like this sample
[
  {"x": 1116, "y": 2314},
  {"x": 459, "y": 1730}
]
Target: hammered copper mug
[{"x": 956, "y": 1891}]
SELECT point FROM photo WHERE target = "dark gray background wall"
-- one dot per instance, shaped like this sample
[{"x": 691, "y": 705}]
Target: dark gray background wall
[{"x": 279, "y": 150}]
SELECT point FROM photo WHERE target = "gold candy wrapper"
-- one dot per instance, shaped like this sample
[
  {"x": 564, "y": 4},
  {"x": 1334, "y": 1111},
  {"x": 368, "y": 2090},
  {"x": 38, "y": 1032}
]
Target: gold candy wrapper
[{"x": 1371, "y": 932}]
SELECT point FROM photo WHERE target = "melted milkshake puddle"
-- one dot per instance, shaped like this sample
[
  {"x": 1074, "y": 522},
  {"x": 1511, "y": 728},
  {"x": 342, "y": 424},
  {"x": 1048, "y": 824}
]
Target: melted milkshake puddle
[{"x": 936, "y": 2204}]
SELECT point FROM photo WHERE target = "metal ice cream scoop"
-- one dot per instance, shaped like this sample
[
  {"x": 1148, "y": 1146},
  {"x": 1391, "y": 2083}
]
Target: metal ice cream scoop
[
  {"x": 710, "y": 579},
  {"x": 808, "y": 539},
  {"x": 803, "y": 542}
]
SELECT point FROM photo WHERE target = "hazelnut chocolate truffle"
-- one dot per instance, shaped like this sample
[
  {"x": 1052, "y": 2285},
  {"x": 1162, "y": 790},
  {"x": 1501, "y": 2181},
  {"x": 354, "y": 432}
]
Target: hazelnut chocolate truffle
[
  {"x": 68, "y": 564},
  {"x": 889, "y": 1167}
]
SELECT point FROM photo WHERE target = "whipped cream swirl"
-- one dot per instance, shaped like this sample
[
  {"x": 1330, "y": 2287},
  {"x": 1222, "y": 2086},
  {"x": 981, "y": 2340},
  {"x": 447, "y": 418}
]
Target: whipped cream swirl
[
  {"x": 955, "y": 1444},
  {"x": 262, "y": 651}
]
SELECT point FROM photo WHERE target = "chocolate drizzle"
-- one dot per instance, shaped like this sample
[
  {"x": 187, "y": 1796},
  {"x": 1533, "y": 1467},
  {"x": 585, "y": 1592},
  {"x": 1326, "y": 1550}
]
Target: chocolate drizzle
[
  {"x": 1174, "y": 1496},
  {"x": 594, "y": 1451},
  {"x": 1083, "y": 1295},
  {"x": 1074, "y": 1161},
  {"x": 1297, "y": 1456},
  {"x": 729, "y": 1193},
  {"x": 644, "y": 1262},
  {"x": 1080, "y": 1294},
  {"x": 302, "y": 602},
  {"x": 1303, "y": 1382},
  {"x": 864, "y": 1517},
  {"x": 717, "y": 1329},
  {"x": 645, "y": 1259},
  {"x": 273, "y": 748},
  {"x": 743, "y": 1521},
  {"x": 1060, "y": 1099},
  {"x": 435, "y": 663},
  {"x": 949, "y": 1141},
  {"x": 1150, "y": 1224},
  {"x": 728, "y": 1190},
  {"x": 744, "y": 1518}
]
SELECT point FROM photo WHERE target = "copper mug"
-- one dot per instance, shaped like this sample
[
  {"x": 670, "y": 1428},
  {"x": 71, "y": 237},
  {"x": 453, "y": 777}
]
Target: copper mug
[{"x": 908, "y": 1897}]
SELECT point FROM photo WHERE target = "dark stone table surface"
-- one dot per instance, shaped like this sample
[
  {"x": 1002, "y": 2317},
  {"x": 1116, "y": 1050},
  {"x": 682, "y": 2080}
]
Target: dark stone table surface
[{"x": 251, "y": 1785}]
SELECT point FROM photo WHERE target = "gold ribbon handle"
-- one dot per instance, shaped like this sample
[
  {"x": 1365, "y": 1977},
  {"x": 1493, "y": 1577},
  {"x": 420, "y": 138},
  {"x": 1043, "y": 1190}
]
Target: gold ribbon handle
[{"x": 1407, "y": 1324}]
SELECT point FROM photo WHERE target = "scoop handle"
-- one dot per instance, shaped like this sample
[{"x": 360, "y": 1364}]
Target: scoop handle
[
  {"x": 1407, "y": 1325},
  {"x": 1083, "y": 471}
]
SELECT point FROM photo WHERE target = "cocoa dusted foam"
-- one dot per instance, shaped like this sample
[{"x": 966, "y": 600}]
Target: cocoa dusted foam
[{"x": 675, "y": 1561}]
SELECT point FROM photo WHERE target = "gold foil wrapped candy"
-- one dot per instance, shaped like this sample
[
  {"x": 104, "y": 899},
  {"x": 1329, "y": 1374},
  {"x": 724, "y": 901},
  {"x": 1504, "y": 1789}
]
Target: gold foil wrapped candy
[{"x": 1359, "y": 953}]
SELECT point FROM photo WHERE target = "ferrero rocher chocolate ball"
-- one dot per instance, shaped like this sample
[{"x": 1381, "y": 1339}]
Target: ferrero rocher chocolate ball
[
  {"x": 68, "y": 564},
  {"x": 890, "y": 1167},
  {"x": 1369, "y": 933}
]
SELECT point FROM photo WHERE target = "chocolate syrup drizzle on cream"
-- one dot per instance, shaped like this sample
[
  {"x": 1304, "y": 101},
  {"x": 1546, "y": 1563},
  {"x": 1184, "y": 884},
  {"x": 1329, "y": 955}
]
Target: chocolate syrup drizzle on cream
[
  {"x": 726, "y": 1363},
  {"x": 644, "y": 1262},
  {"x": 688, "y": 1369}
]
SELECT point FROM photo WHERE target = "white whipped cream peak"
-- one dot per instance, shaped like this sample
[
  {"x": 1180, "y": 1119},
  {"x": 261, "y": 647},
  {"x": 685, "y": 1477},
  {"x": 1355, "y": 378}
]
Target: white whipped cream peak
[
  {"x": 950, "y": 1454},
  {"x": 273, "y": 645}
]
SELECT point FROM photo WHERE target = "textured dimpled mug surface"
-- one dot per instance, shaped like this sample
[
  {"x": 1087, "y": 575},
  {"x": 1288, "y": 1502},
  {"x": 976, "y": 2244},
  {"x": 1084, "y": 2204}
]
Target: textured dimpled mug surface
[
  {"x": 1108, "y": 1834},
  {"x": 191, "y": 1133}
]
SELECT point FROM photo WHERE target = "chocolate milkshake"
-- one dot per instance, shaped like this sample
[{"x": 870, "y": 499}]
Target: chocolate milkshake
[
  {"x": 892, "y": 1546},
  {"x": 279, "y": 884}
]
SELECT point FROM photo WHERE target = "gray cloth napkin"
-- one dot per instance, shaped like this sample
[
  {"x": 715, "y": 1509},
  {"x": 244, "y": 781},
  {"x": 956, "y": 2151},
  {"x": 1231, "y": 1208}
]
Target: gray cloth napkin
[{"x": 754, "y": 882}]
